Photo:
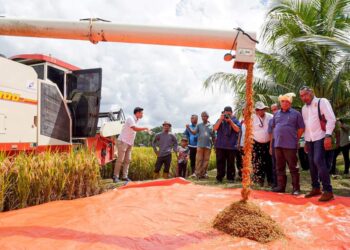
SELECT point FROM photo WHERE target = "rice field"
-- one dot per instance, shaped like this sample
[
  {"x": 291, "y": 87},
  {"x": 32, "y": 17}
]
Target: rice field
[
  {"x": 143, "y": 161},
  {"x": 27, "y": 180}
]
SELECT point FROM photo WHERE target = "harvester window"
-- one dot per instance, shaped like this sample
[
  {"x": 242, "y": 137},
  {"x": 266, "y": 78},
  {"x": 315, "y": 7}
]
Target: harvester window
[
  {"x": 56, "y": 76},
  {"x": 40, "y": 70}
]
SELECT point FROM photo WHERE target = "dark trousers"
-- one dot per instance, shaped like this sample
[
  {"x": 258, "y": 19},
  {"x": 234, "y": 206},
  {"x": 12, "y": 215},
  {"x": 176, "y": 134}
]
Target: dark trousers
[
  {"x": 239, "y": 161},
  {"x": 303, "y": 159},
  {"x": 318, "y": 165},
  {"x": 286, "y": 156},
  {"x": 181, "y": 169},
  {"x": 262, "y": 163},
  {"x": 345, "y": 151},
  {"x": 274, "y": 167},
  {"x": 225, "y": 164},
  {"x": 193, "y": 153},
  {"x": 166, "y": 160}
]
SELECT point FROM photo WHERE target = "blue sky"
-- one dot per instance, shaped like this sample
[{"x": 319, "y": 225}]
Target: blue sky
[{"x": 166, "y": 81}]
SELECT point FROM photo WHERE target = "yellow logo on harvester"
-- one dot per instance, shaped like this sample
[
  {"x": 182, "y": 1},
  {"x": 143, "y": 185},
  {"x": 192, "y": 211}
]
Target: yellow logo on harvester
[
  {"x": 13, "y": 97},
  {"x": 10, "y": 96}
]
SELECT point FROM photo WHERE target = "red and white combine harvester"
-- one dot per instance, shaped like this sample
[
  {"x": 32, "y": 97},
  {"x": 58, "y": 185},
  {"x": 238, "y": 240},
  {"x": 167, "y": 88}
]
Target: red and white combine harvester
[{"x": 46, "y": 103}]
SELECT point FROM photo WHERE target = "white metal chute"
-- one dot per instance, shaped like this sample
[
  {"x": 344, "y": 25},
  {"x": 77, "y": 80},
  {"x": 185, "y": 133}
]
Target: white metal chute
[{"x": 97, "y": 31}]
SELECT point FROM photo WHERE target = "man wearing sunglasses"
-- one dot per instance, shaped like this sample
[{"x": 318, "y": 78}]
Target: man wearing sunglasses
[{"x": 262, "y": 161}]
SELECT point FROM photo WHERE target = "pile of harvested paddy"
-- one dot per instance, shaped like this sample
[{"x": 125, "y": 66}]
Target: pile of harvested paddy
[{"x": 245, "y": 219}]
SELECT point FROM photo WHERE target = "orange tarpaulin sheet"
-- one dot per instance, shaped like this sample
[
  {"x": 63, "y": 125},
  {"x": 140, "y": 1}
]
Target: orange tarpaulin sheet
[{"x": 170, "y": 215}]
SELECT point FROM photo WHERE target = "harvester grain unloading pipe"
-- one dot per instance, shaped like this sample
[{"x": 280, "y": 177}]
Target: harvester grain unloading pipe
[{"x": 98, "y": 31}]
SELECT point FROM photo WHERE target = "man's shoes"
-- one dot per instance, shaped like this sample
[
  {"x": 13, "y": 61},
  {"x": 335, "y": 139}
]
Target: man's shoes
[
  {"x": 156, "y": 175},
  {"x": 115, "y": 179},
  {"x": 218, "y": 181},
  {"x": 278, "y": 189},
  {"x": 313, "y": 192},
  {"x": 193, "y": 176},
  {"x": 326, "y": 196},
  {"x": 296, "y": 192},
  {"x": 126, "y": 179}
]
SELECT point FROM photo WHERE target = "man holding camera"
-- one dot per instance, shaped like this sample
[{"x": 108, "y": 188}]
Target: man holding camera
[{"x": 226, "y": 144}]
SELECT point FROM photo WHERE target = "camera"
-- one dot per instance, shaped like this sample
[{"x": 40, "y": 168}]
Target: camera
[{"x": 226, "y": 116}]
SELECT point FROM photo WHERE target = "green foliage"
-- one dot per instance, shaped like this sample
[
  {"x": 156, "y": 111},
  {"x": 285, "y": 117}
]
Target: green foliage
[
  {"x": 27, "y": 180},
  {"x": 145, "y": 139},
  {"x": 304, "y": 44}
]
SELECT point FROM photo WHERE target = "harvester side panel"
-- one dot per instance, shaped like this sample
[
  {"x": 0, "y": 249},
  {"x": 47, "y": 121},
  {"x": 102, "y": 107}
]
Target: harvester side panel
[
  {"x": 18, "y": 104},
  {"x": 52, "y": 109}
]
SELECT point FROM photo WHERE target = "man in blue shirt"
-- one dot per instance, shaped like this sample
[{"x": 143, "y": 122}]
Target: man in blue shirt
[
  {"x": 192, "y": 141},
  {"x": 288, "y": 126},
  {"x": 226, "y": 144},
  {"x": 204, "y": 131}
]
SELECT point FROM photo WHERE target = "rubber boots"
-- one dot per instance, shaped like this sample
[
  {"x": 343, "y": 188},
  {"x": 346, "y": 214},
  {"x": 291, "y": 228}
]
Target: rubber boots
[
  {"x": 296, "y": 183},
  {"x": 281, "y": 184},
  {"x": 156, "y": 176}
]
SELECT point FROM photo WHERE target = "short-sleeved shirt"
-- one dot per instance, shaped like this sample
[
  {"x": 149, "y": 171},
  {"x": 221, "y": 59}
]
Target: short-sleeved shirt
[
  {"x": 226, "y": 136},
  {"x": 260, "y": 128},
  {"x": 344, "y": 135},
  {"x": 205, "y": 135},
  {"x": 183, "y": 154},
  {"x": 128, "y": 134},
  {"x": 192, "y": 139},
  {"x": 285, "y": 126}
]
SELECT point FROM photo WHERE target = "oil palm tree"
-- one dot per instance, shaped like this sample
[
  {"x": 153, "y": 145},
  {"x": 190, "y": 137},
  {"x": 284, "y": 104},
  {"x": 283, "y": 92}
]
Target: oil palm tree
[{"x": 291, "y": 60}]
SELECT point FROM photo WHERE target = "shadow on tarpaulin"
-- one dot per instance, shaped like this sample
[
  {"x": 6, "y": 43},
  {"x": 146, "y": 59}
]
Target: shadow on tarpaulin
[{"x": 171, "y": 214}]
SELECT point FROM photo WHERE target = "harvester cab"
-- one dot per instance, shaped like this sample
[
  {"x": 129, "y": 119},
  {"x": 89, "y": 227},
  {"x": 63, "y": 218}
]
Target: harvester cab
[
  {"x": 80, "y": 89},
  {"x": 57, "y": 103}
]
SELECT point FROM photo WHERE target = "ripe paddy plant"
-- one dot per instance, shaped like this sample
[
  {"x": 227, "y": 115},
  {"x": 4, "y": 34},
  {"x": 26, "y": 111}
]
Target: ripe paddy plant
[
  {"x": 32, "y": 179},
  {"x": 143, "y": 161},
  {"x": 5, "y": 182}
]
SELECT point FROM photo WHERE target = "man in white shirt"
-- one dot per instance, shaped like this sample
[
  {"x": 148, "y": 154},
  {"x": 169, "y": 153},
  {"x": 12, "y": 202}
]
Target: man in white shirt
[
  {"x": 125, "y": 142},
  {"x": 317, "y": 141},
  {"x": 262, "y": 161}
]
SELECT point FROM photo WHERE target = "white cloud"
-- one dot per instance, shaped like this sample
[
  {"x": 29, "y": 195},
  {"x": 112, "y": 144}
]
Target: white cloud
[{"x": 166, "y": 81}]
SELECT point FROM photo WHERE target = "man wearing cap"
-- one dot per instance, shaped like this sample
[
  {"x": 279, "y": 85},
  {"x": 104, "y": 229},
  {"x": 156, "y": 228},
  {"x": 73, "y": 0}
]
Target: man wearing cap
[
  {"x": 262, "y": 161},
  {"x": 226, "y": 144},
  {"x": 125, "y": 142},
  {"x": 162, "y": 144},
  {"x": 318, "y": 139},
  {"x": 288, "y": 126},
  {"x": 193, "y": 140},
  {"x": 205, "y": 134}
]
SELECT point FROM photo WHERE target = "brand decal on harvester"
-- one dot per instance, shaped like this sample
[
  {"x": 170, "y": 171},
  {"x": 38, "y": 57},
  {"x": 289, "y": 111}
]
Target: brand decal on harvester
[{"x": 9, "y": 96}]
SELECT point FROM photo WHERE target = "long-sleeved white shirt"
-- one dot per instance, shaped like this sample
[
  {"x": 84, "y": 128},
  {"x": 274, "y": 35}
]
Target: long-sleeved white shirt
[
  {"x": 260, "y": 128},
  {"x": 313, "y": 131}
]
